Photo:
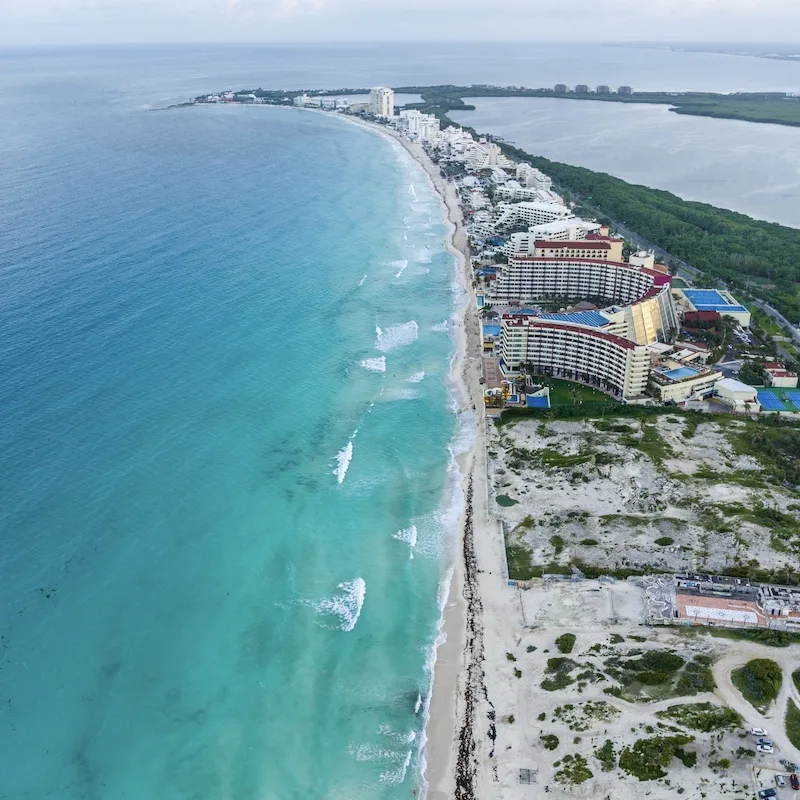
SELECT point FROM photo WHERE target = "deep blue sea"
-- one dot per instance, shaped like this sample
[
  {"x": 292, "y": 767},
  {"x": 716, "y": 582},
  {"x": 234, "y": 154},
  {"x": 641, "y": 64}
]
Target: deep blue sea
[{"x": 226, "y": 449}]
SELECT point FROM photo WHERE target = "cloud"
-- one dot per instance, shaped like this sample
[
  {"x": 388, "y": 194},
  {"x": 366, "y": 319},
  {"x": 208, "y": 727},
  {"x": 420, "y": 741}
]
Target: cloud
[{"x": 380, "y": 20}]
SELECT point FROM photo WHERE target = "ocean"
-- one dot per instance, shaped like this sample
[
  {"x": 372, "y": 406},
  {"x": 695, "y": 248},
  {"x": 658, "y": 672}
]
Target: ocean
[{"x": 228, "y": 501}]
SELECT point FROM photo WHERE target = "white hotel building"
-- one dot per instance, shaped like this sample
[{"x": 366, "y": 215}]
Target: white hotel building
[
  {"x": 561, "y": 230},
  {"x": 575, "y": 352},
  {"x": 381, "y": 101},
  {"x": 418, "y": 126},
  {"x": 530, "y": 213}
]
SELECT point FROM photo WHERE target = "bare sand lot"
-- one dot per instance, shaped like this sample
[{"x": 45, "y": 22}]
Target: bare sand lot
[{"x": 588, "y": 702}]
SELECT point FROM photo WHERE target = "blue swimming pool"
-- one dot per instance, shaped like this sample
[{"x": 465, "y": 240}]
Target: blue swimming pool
[{"x": 679, "y": 373}]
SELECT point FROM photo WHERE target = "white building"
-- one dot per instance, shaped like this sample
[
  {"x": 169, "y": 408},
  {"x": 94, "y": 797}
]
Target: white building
[
  {"x": 530, "y": 213},
  {"x": 643, "y": 258},
  {"x": 561, "y": 230},
  {"x": 532, "y": 177},
  {"x": 483, "y": 155},
  {"x": 418, "y": 126},
  {"x": 301, "y": 100},
  {"x": 736, "y": 394},
  {"x": 381, "y": 101}
]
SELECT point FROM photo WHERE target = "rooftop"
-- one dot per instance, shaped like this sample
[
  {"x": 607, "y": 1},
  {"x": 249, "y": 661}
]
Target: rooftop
[{"x": 593, "y": 319}]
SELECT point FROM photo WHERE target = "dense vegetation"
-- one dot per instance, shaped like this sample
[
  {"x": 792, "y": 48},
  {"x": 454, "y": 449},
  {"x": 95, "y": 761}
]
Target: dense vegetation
[
  {"x": 565, "y": 642},
  {"x": 648, "y": 758},
  {"x": 759, "y": 681},
  {"x": 793, "y": 723}
]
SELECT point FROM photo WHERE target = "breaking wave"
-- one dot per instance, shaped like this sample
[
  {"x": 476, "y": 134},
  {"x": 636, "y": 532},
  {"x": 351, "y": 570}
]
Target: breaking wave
[
  {"x": 417, "y": 377},
  {"x": 408, "y": 535},
  {"x": 343, "y": 459},
  {"x": 347, "y": 605},
  {"x": 396, "y": 336}
]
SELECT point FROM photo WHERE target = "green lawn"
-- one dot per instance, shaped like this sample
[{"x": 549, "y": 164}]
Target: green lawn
[{"x": 567, "y": 393}]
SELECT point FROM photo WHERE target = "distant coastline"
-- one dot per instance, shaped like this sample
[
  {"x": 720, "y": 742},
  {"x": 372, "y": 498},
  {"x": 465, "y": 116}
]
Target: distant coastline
[{"x": 774, "y": 108}]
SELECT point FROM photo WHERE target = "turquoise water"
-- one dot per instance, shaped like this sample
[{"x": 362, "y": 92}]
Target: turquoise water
[{"x": 226, "y": 451}]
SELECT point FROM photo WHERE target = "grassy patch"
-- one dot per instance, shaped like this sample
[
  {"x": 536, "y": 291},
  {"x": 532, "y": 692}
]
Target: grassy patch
[
  {"x": 519, "y": 557},
  {"x": 793, "y": 723},
  {"x": 650, "y": 443},
  {"x": 759, "y": 681},
  {"x": 589, "y": 542},
  {"x": 702, "y": 717},
  {"x": 505, "y": 501},
  {"x": 664, "y": 541},
  {"x": 574, "y": 770},
  {"x": 558, "y": 544},
  {"x": 769, "y": 638},
  {"x": 565, "y": 643},
  {"x": 558, "y": 676}
]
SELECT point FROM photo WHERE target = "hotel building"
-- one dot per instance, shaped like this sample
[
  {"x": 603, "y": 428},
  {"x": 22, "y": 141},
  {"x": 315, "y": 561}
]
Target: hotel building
[
  {"x": 381, "y": 101},
  {"x": 574, "y": 352}
]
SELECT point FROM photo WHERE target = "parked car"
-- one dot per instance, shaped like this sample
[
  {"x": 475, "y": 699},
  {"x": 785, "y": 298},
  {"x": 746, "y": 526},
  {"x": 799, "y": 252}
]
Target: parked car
[
  {"x": 768, "y": 793},
  {"x": 795, "y": 781},
  {"x": 762, "y": 740},
  {"x": 780, "y": 781},
  {"x": 765, "y": 748},
  {"x": 758, "y": 732}
]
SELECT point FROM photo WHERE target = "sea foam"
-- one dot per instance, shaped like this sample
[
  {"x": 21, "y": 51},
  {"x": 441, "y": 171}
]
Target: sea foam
[
  {"x": 375, "y": 364},
  {"x": 408, "y": 535},
  {"x": 417, "y": 377},
  {"x": 396, "y": 336},
  {"x": 343, "y": 459},
  {"x": 347, "y": 605}
]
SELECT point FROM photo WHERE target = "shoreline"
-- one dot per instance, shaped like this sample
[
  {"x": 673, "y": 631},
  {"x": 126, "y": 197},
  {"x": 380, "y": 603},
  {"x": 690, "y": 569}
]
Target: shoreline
[{"x": 447, "y": 750}]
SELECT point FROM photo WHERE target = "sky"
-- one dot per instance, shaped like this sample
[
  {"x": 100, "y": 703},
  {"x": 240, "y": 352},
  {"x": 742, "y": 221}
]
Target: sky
[{"x": 114, "y": 21}]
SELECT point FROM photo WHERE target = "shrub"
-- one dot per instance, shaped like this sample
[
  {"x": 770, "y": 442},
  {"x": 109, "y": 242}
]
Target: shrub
[
  {"x": 606, "y": 755},
  {"x": 549, "y": 741},
  {"x": 589, "y": 542},
  {"x": 531, "y": 648},
  {"x": 511, "y": 718},
  {"x": 565, "y": 643},
  {"x": 759, "y": 681},
  {"x": 647, "y": 758},
  {"x": 542, "y": 717},
  {"x": 688, "y": 757},
  {"x": 616, "y": 638},
  {"x": 664, "y": 541},
  {"x": 558, "y": 544},
  {"x": 518, "y": 672},
  {"x": 793, "y": 722},
  {"x": 511, "y": 657},
  {"x": 575, "y": 770}
]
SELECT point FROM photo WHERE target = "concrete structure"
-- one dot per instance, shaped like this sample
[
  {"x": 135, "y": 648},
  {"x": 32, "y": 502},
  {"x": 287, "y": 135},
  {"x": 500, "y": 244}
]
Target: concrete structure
[
  {"x": 530, "y": 213},
  {"x": 483, "y": 155},
  {"x": 603, "y": 89},
  {"x": 574, "y": 352},
  {"x": 777, "y": 376},
  {"x": 531, "y": 177},
  {"x": 674, "y": 381},
  {"x": 581, "y": 88},
  {"x": 714, "y": 300},
  {"x": 301, "y": 100},
  {"x": 381, "y": 101},
  {"x": 643, "y": 258},
  {"x": 719, "y": 600},
  {"x": 739, "y": 396},
  {"x": 561, "y": 230},
  {"x": 586, "y": 248},
  {"x": 560, "y": 88},
  {"x": 418, "y": 126},
  {"x": 627, "y": 90}
]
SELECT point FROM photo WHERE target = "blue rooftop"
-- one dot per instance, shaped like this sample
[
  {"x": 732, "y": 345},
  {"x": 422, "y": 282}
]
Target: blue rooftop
[
  {"x": 592, "y": 318},
  {"x": 712, "y": 300}
]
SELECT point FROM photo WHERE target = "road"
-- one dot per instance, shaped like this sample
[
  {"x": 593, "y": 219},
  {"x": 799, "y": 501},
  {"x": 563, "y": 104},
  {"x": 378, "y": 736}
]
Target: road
[{"x": 779, "y": 318}]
